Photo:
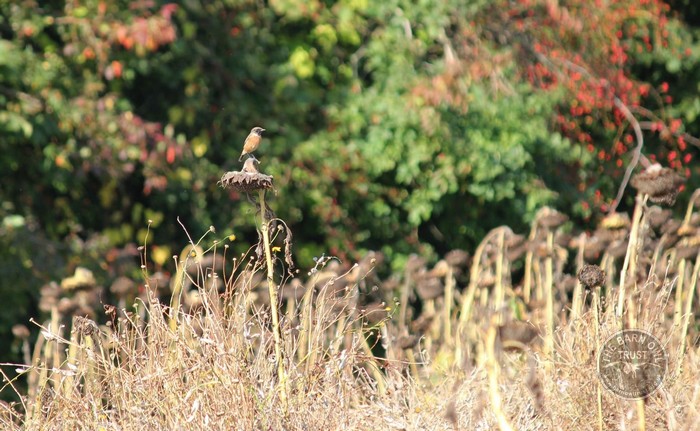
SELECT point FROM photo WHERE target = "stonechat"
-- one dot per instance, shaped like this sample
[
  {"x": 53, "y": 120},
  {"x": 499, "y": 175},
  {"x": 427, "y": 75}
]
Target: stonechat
[
  {"x": 252, "y": 141},
  {"x": 250, "y": 166}
]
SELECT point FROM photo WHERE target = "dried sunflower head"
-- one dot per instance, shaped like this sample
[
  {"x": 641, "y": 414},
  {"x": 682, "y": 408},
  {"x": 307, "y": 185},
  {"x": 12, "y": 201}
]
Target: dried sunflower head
[
  {"x": 661, "y": 184},
  {"x": 550, "y": 218},
  {"x": 615, "y": 220},
  {"x": 246, "y": 181},
  {"x": 591, "y": 276}
]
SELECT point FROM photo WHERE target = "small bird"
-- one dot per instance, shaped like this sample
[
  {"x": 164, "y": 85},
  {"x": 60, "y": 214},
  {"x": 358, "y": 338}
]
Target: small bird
[
  {"x": 252, "y": 141},
  {"x": 250, "y": 166}
]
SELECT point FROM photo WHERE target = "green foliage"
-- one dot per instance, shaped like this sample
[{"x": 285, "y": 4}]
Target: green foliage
[{"x": 395, "y": 171}]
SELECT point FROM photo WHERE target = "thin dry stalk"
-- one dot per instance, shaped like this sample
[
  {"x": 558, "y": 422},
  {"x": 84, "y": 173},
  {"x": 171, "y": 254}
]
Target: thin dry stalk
[
  {"x": 274, "y": 303},
  {"x": 529, "y": 256},
  {"x": 631, "y": 255},
  {"x": 549, "y": 298},
  {"x": 447, "y": 307},
  {"x": 494, "y": 371},
  {"x": 688, "y": 310},
  {"x": 468, "y": 298}
]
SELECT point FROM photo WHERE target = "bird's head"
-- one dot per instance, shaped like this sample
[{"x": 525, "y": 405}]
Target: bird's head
[{"x": 257, "y": 130}]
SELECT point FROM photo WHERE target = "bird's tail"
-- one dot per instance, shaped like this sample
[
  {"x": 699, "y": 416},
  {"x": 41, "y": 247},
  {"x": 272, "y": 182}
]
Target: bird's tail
[{"x": 241, "y": 158}]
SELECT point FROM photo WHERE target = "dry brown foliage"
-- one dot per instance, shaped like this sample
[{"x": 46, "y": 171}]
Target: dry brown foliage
[{"x": 484, "y": 354}]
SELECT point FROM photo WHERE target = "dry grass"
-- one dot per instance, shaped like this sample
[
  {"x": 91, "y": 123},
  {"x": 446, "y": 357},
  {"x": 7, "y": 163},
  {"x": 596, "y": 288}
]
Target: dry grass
[{"x": 485, "y": 354}]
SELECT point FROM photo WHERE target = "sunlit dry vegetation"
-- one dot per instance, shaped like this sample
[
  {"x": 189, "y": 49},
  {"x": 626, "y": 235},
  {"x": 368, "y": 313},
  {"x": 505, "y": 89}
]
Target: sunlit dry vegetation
[{"x": 506, "y": 337}]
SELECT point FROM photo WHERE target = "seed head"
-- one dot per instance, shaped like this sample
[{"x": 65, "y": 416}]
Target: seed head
[{"x": 591, "y": 276}]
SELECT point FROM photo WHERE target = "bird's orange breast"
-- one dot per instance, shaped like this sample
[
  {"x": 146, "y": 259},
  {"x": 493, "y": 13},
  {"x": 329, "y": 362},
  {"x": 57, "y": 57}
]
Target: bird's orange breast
[{"x": 251, "y": 142}]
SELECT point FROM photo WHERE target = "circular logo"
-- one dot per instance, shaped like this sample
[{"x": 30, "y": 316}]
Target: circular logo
[{"x": 632, "y": 364}]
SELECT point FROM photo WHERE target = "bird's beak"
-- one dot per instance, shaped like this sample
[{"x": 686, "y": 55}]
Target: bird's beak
[{"x": 262, "y": 130}]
